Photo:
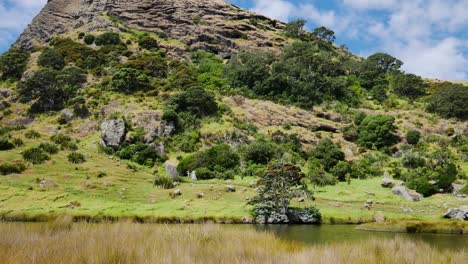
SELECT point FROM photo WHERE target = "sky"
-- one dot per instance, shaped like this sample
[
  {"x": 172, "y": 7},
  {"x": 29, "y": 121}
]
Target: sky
[{"x": 429, "y": 36}]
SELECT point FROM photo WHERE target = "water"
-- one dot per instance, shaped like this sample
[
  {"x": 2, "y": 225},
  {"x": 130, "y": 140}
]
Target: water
[{"x": 326, "y": 234}]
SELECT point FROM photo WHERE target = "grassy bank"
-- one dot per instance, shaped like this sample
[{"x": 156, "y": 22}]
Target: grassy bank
[
  {"x": 408, "y": 226},
  {"x": 63, "y": 242}
]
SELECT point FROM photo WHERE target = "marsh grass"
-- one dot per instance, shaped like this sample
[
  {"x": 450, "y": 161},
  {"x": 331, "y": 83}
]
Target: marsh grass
[
  {"x": 67, "y": 242},
  {"x": 413, "y": 226}
]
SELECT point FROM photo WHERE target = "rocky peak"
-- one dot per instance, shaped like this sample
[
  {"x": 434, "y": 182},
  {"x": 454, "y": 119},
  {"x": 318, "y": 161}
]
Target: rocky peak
[{"x": 212, "y": 25}]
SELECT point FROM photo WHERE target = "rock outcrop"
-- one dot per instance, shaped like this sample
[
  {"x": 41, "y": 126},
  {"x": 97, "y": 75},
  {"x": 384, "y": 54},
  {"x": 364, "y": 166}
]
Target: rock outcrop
[
  {"x": 113, "y": 132},
  {"x": 212, "y": 25},
  {"x": 406, "y": 193},
  {"x": 457, "y": 213}
]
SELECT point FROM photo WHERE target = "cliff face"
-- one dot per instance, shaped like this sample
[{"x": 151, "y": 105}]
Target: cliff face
[{"x": 213, "y": 25}]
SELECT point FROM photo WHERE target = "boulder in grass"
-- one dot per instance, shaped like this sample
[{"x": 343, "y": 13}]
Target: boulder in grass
[
  {"x": 113, "y": 132},
  {"x": 457, "y": 213},
  {"x": 230, "y": 188},
  {"x": 406, "y": 193}
]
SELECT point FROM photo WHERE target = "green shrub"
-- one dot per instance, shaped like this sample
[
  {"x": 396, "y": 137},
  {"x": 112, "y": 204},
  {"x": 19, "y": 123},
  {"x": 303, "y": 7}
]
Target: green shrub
[
  {"x": 128, "y": 80},
  {"x": 12, "y": 168},
  {"x": 413, "y": 137},
  {"x": 194, "y": 100},
  {"x": 377, "y": 131},
  {"x": 6, "y": 144},
  {"x": 450, "y": 102},
  {"x": 341, "y": 170},
  {"x": 408, "y": 85},
  {"x": 64, "y": 141},
  {"x": 89, "y": 39},
  {"x": 328, "y": 153},
  {"x": 18, "y": 142},
  {"x": 218, "y": 158},
  {"x": 413, "y": 160},
  {"x": 259, "y": 152},
  {"x": 108, "y": 38},
  {"x": 148, "y": 43},
  {"x": 295, "y": 29},
  {"x": 164, "y": 182},
  {"x": 35, "y": 155},
  {"x": 51, "y": 58},
  {"x": 204, "y": 174},
  {"x": 76, "y": 158},
  {"x": 153, "y": 64},
  {"x": 13, "y": 63},
  {"x": 141, "y": 154},
  {"x": 76, "y": 53},
  {"x": 316, "y": 173},
  {"x": 32, "y": 134},
  {"x": 49, "y": 148}
]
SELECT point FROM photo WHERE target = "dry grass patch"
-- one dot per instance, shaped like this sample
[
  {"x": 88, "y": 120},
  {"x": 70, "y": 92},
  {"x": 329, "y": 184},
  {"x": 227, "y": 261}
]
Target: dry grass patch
[{"x": 63, "y": 242}]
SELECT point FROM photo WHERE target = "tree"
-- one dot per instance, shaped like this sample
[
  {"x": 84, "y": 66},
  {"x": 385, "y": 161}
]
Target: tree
[
  {"x": 295, "y": 29},
  {"x": 277, "y": 187},
  {"x": 374, "y": 70},
  {"x": 13, "y": 63},
  {"x": 328, "y": 153},
  {"x": 194, "y": 100},
  {"x": 154, "y": 65},
  {"x": 377, "y": 131},
  {"x": 450, "y": 102},
  {"x": 413, "y": 137},
  {"x": 259, "y": 152},
  {"x": 148, "y": 43},
  {"x": 89, "y": 39},
  {"x": 51, "y": 58},
  {"x": 108, "y": 38},
  {"x": 342, "y": 170},
  {"x": 408, "y": 85},
  {"x": 324, "y": 33},
  {"x": 128, "y": 80}
]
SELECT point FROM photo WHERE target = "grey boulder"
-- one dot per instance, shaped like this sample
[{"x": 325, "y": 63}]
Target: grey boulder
[
  {"x": 113, "y": 132},
  {"x": 457, "y": 213},
  {"x": 406, "y": 193}
]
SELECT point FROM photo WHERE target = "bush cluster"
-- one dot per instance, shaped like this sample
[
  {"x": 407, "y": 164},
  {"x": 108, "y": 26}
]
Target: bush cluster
[
  {"x": 76, "y": 158},
  {"x": 140, "y": 153},
  {"x": 12, "y": 168},
  {"x": 35, "y": 155}
]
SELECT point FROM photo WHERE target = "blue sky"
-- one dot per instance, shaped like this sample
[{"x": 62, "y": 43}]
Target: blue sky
[{"x": 430, "y": 36}]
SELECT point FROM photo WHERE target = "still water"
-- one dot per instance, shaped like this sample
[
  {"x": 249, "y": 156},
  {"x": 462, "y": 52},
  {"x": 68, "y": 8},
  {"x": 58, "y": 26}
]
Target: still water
[{"x": 338, "y": 233}]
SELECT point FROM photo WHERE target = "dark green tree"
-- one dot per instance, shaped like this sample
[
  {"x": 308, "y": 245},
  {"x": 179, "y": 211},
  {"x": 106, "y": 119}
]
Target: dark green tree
[
  {"x": 51, "y": 58},
  {"x": 408, "y": 85},
  {"x": 295, "y": 29},
  {"x": 108, "y": 38},
  {"x": 194, "y": 100},
  {"x": 128, "y": 80},
  {"x": 328, "y": 153},
  {"x": 324, "y": 33},
  {"x": 148, "y": 43},
  {"x": 450, "y": 102},
  {"x": 13, "y": 63},
  {"x": 89, "y": 39},
  {"x": 413, "y": 137}
]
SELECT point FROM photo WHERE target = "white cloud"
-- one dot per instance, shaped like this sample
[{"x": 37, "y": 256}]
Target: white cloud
[
  {"x": 371, "y": 4},
  {"x": 278, "y": 9}
]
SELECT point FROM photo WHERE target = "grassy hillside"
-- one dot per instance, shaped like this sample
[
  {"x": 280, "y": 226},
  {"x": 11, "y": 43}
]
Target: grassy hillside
[{"x": 343, "y": 121}]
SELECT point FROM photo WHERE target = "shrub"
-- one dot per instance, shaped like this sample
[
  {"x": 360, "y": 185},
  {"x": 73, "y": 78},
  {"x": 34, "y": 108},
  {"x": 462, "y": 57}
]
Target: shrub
[
  {"x": 259, "y": 152},
  {"x": 35, "y": 155},
  {"x": 413, "y": 160},
  {"x": 75, "y": 53},
  {"x": 76, "y": 158},
  {"x": 377, "y": 131},
  {"x": 204, "y": 174},
  {"x": 408, "y": 85},
  {"x": 450, "y": 102},
  {"x": 154, "y": 65},
  {"x": 218, "y": 158},
  {"x": 316, "y": 173},
  {"x": 108, "y": 38},
  {"x": 418, "y": 180},
  {"x": 413, "y": 137},
  {"x": 128, "y": 80},
  {"x": 64, "y": 141},
  {"x": 6, "y": 144},
  {"x": 13, "y": 63},
  {"x": 194, "y": 100},
  {"x": 164, "y": 182},
  {"x": 32, "y": 134},
  {"x": 341, "y": 170},
  {"x": 89, "y": 39},
  {"x": 49, "y": 148},
  {"x": 148, "y": 43},
  {"x": 12, "y": 168},
  {"x": 51, "y": 58},
  {"x": 18, "y": 142},
  {"x": 141, "y": 154},
  {"x": 328, "y": 153},
  {"x": 295, "y": 29}
]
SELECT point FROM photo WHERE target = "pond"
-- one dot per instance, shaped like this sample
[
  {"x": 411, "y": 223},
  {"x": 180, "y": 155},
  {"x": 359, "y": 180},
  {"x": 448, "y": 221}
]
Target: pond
[{"x": 325, "y": 234}]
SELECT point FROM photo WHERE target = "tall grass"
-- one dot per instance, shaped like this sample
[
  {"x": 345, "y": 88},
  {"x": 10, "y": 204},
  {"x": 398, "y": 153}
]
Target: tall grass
[{"x": 64, "y": 242}]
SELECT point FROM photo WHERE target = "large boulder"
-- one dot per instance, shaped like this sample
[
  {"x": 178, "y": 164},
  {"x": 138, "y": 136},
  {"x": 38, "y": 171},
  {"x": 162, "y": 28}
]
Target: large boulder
[
  {"x": 171, "y": 169},
  {"x": 457, "y": 213},
  {"x": 303, "y": 216},
  {"x": 406, "y": 193},
  {"x": 113, "y": 132},
  {"x": 387, "y": 182}
]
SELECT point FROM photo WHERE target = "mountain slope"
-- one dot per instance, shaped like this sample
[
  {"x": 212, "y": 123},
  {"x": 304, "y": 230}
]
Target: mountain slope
[{"x": 215, "y": 26}]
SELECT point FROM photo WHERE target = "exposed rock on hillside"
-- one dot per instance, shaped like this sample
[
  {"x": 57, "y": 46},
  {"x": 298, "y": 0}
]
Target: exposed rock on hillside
[
  {"x": 213, "y": 25},
  {"x": 113, "y": 132}
]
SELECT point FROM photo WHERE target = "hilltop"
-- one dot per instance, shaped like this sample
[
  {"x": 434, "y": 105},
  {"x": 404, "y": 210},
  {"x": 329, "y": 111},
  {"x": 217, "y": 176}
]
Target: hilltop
[{"x": 174, "y": 110}]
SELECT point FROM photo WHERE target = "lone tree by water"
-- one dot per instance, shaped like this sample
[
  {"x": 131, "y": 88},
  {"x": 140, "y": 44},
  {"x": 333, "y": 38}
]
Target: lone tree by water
[{"x": 277, "y": 187}]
